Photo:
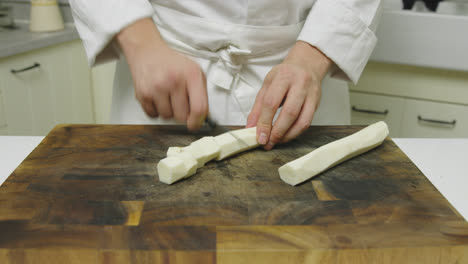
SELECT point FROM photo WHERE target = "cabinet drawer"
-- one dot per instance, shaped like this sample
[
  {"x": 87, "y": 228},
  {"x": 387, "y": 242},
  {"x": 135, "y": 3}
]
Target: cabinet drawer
[
  {"x": 368, "y": 109},
  {"x": 430, "y": 119}
]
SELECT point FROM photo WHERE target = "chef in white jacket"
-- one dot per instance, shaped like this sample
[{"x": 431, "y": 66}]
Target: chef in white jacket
[{"x": 264, "y": 63}]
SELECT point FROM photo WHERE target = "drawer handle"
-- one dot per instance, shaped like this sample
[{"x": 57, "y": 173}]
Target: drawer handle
[
  {"x": 355, "y": 109},
  {"x": 35, "y": 65},
  {"x": 452, "y": 123}
]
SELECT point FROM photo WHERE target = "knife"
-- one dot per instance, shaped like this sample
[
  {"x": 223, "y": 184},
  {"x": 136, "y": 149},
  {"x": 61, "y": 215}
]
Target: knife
[{"x": 213, "y": 125}]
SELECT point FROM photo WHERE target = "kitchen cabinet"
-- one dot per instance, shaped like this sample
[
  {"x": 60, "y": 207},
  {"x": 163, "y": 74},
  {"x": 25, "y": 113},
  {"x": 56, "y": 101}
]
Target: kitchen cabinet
[
  {"x": 420, "y": 102},
  {"x": 434, "y": 120},
  {"x": 46, "y": 87},
  {"x": 367, "y": 109},
  {"x": 3, "y": 125},
  {"x": 103, "y": 80}
]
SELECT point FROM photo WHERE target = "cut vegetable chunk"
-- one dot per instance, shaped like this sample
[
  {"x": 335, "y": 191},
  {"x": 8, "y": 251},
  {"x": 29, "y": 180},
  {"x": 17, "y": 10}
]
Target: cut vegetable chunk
[
  {"x": 228, "y": 144},
  {"x": 247, "y": 137},
  {"x": 182, "y": 162},
  {"x": 175, "y": 168},
  {"x": 236, "y": 141},
  {"x": 331, "y": 154},
  {"x": 203, "y": 150},
  {"x": 171, "y": 151}
]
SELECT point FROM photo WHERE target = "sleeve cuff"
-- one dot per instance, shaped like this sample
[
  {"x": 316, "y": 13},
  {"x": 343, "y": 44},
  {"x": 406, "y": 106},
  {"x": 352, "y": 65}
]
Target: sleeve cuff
[
  {"x": 97, "y": 28},
  {"x": 341, "y": 35}
]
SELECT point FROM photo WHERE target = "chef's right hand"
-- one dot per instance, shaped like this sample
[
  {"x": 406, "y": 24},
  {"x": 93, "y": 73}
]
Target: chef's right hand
[{"x": 167, "y": 83}]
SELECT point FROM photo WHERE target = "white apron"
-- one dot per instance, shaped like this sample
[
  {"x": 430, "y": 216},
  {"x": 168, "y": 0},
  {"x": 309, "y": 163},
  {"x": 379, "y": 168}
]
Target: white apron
[{"x": 235, "y": 58}]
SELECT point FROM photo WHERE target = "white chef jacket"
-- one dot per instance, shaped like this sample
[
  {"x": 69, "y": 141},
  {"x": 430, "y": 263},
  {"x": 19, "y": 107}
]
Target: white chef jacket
[{"x": 342, "y": 29}]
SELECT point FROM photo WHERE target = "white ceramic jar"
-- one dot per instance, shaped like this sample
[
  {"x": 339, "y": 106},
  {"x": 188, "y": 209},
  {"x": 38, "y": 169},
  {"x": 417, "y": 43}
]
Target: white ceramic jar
[{"x": 45, "y": 16}]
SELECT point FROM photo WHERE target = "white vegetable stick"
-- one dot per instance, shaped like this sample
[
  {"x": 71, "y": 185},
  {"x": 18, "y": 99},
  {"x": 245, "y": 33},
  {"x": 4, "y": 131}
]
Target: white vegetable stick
[
  {"x": 172, "y": 151},
  {"x": 182, "y": 162},
  {"x": 236, "y": 141},
  {"x": 228, "y": 144},
  {"x": 247, "y": 137},
  {"x": 174, "y": 168},
  {"x": 331, "y": 154},
  {"x": 203, "y": 150}
]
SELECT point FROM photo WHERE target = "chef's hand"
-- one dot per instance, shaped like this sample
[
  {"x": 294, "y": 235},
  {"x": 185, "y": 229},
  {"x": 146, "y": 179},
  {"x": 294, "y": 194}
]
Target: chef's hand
[
  {"x": 296, "y": 85},
  {"x": 167, "y": 83}
]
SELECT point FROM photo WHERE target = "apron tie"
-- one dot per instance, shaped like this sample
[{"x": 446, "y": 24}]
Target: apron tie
[{"x": 226, "y": 72}]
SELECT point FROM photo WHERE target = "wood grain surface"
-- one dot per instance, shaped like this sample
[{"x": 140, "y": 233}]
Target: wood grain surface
[{"x": 91, "y": 194}]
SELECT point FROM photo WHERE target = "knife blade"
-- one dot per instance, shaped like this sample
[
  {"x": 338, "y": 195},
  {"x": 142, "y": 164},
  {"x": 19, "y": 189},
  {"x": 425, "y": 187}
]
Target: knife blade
[{"x": 214, "y": 126}]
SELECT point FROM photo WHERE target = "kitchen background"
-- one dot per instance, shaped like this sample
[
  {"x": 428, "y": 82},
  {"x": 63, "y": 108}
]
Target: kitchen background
[{"x": 417, "y": 79}]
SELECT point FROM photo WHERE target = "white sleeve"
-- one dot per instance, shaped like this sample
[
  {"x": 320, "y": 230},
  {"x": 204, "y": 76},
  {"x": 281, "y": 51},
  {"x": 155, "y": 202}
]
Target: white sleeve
[
  {"x": 98, "y": 21},
  {"x": 344, "y": 30}
]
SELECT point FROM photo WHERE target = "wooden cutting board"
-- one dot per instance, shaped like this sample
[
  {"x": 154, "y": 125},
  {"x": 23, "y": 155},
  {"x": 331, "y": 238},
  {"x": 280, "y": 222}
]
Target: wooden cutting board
[{"x": 91, "y": 194}]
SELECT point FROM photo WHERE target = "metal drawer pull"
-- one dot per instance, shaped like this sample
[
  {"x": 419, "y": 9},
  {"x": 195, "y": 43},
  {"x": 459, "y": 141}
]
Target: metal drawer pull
[
  {"x": 370, "y": 111},
  {"x": 452, "y": 123},
  {"x": 36, "y": 65}
]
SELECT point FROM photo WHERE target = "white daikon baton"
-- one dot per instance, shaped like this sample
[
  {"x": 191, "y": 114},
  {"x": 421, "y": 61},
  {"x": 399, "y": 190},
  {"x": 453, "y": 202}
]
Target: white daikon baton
[
  {"x": 183, "y": 162},
  {"x": 333, "y": 153}
]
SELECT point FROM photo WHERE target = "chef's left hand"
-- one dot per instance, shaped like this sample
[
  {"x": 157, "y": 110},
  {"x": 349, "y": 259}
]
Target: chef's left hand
[{"x": 296, "y": 84}]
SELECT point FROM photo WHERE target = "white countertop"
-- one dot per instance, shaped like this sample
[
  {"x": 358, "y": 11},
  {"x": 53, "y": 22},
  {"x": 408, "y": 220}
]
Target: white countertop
[{"x": 443, "y": 161}]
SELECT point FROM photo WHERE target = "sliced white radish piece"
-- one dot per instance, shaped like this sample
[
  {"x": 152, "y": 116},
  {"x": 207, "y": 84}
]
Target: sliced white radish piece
[
  {"x": 175, "y": 168},
  {"x": 331, "y": 154},
  {"x": 228, "y": 144},
  {"x": 203, "y": 150},
  {"x": 171, "y": 151},
  {"x": 182, "y": 162},
  {"x": 236, "y": 141},
  {"x": 247, "y": 137}
]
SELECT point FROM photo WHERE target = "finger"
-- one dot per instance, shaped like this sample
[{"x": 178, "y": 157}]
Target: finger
[
  {"x": 288, "y": 115},
  {"x": 270, "y": 103},
  {"x": 149, "y": 108},
  {"x": 163, "y": 105},
  {"x": 303, "y": 121},
  {"x": 198, "y": 100},
  {"x": 180, "y": 104},
  {"x": 252, "y": 119},
  {"x": 146, "y": 102}
]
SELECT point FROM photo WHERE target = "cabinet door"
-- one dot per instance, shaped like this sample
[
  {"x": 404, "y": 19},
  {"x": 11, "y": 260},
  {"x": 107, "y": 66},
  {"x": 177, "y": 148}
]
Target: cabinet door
[
  {"x": 57, "y": 91},
  {"x": 3, "y": 123},
  {"x": 103, "y": 81},
  {"x": 367, "y": 109},
  {"x": 430, "y": 119},
  {"x": 70, "y": 80},
  {"x": 27, "y": 94}
]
